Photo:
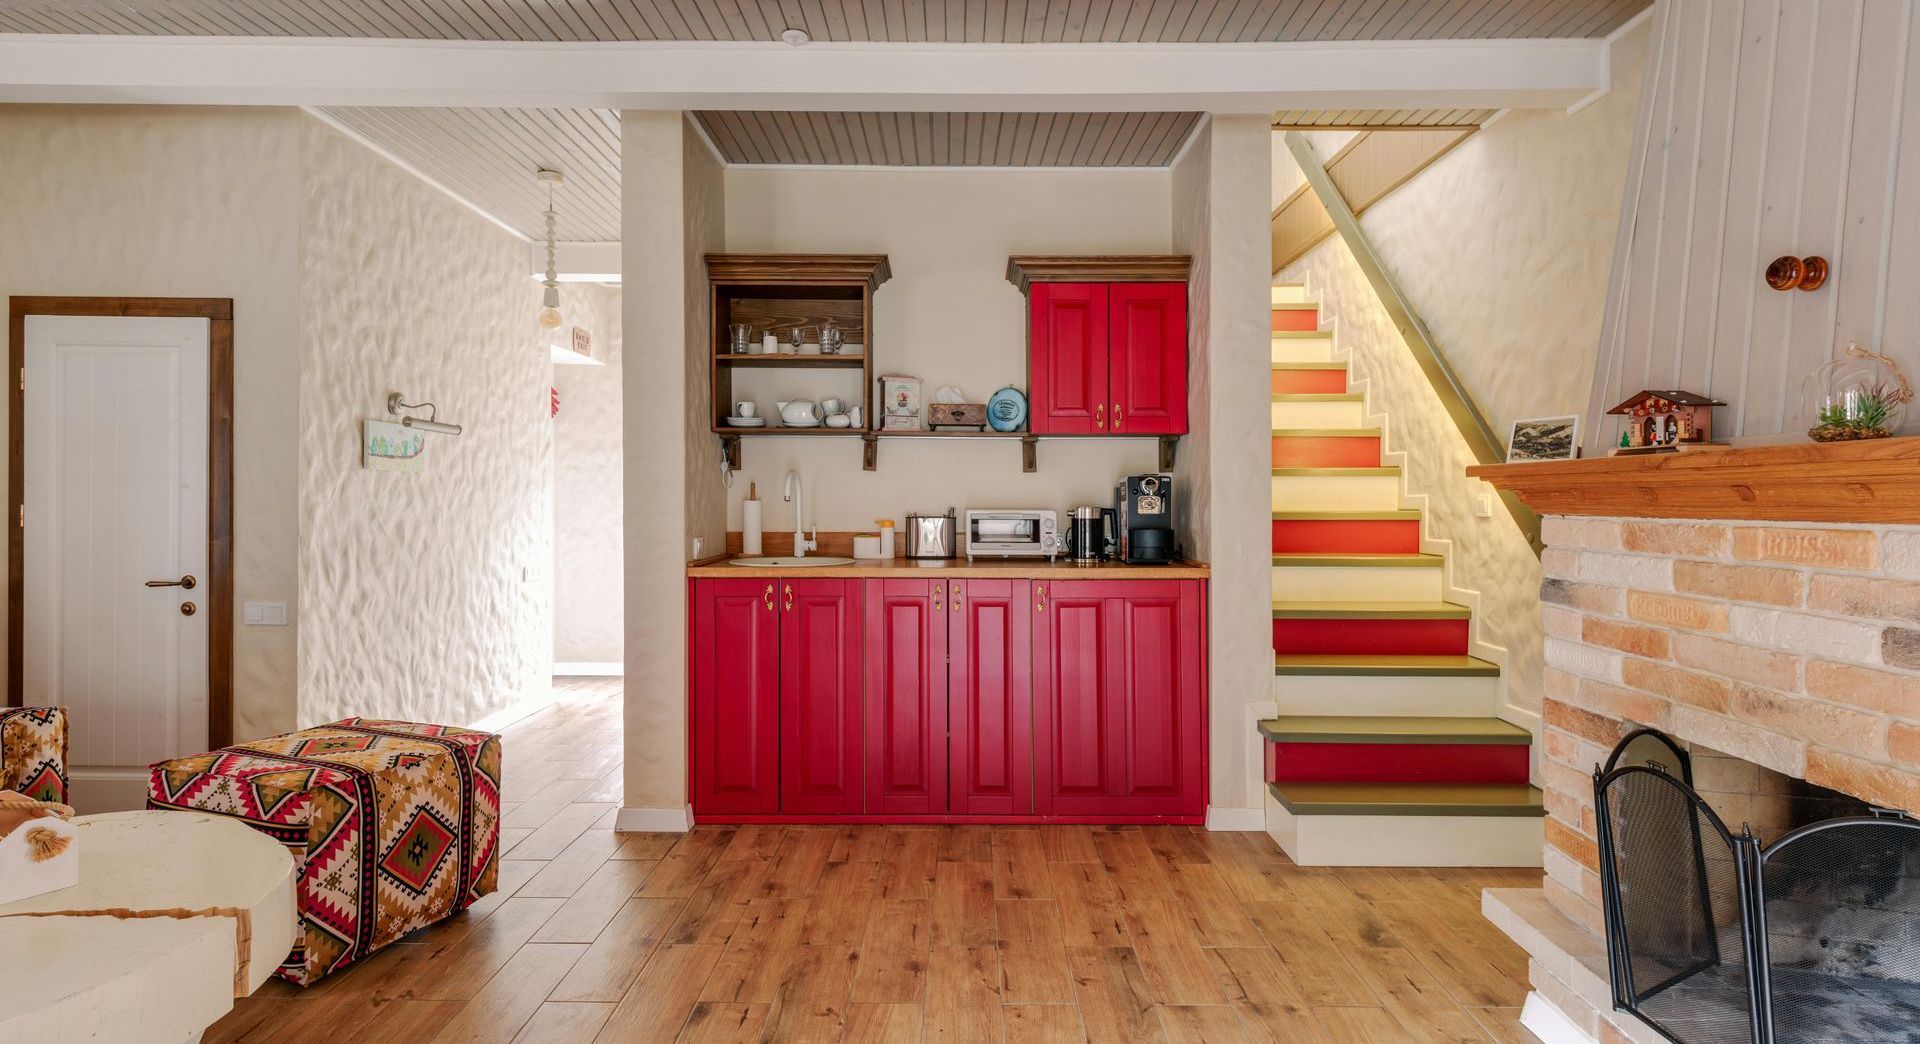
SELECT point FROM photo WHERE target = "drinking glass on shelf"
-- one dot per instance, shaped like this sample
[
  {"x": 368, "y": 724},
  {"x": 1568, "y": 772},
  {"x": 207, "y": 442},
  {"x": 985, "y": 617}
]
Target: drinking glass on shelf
[{"x": 742, "y": 338}]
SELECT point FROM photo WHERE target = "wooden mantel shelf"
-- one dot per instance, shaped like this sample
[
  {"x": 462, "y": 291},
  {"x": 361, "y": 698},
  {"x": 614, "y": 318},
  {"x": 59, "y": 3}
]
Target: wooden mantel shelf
[{"x": 1871, "y": 481}]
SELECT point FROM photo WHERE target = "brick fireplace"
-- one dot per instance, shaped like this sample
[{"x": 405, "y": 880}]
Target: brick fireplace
[{"x": 1782, "y": 646}]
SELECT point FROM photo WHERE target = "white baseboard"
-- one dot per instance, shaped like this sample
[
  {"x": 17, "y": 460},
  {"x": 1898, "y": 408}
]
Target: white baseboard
[
  {"x": 590, "y": 669},
  {"x": 654, "y": 820},
  {"x": 1550, "y": 1024},
  {"x": 1246, "y": 819},
  {"x": 511, "y": 713}
]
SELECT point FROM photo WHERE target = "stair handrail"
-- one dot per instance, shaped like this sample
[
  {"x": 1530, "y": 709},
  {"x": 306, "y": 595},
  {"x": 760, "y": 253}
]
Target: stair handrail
[{"x": 1481, "y": 439}]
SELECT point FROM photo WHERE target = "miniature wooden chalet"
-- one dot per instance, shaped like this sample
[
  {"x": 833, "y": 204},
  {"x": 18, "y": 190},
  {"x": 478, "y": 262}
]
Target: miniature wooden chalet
[{"x": 1666, "y": 419}]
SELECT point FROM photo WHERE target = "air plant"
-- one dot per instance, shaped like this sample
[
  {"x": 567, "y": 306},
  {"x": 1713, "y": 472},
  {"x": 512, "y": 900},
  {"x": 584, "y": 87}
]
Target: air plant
[{"x": 1867, "y": 406}]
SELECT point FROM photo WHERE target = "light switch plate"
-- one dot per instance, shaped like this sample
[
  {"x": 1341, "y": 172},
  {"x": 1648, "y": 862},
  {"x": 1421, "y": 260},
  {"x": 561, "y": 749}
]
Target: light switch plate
[{"x": 265, "y": 614}]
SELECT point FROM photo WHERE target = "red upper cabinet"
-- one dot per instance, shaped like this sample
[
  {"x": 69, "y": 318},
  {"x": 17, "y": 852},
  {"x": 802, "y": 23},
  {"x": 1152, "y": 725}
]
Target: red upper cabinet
[
  {"x": 906, "y": 721},
  {"x": 735, "y": 680},
  {"x": 1069, "y": 375},
  {"x": 1147, "y": 359},
  {"x": 990, "y": 697},
  {"x": 820, "y": 666},
  {"x": 1119, "y": 692}
]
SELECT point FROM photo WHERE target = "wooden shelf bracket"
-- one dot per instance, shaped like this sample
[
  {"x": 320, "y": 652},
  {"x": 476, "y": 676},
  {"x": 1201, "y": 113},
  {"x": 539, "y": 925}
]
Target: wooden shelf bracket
[
  {"x": 1167, "y": 443},
  {"x": 730, "y": 449}
]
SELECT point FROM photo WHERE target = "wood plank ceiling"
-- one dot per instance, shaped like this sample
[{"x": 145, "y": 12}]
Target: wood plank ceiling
[
  {"x": 959, "y": 139},
  {"x": 951, "y": 21},
  {"x": 1330, "y": 119}
]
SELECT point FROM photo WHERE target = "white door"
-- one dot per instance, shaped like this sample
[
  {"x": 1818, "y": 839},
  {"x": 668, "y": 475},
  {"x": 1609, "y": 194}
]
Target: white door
[{"x": 116, "y": 498}]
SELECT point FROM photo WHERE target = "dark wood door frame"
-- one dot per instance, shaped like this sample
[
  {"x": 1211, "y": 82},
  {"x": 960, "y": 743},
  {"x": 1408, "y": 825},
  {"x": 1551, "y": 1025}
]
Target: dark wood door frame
[{"x": 219, "y": 589}]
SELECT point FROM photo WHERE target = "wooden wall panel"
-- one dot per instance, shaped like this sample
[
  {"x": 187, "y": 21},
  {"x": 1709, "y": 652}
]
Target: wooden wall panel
[{"x": 1768, "y": 127}]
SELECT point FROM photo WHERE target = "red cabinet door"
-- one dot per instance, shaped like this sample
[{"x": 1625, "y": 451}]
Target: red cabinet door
[
  {"x": 735, "y": 685},
  {"x": 1147, "y": 359},
  {"x": 990, "y": 702},
  {"x": 819, "y": 696},
  {"x": 1119, "y": 689},
  {"x": 906, "y": 719},
  {"x": 1067, "y": 347}
]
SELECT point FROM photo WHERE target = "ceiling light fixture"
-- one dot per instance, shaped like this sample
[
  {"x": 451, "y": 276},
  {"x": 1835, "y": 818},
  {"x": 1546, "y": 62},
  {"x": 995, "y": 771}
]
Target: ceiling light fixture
[
  {"x": 796, "y": 37},
  {"x": 550, "y": 317}
]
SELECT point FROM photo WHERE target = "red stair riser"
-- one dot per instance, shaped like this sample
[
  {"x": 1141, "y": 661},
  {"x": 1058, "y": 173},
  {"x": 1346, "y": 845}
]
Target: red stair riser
[
  {"x": 1326, "y": 451},
  {"x": 1295, "y": 320},
  {"x": 1310, "y": 382},
  {"x": 1396, "y": 763},
  {"x": 1372, "y": 536},
  {"x": 1363, "y": 636}
]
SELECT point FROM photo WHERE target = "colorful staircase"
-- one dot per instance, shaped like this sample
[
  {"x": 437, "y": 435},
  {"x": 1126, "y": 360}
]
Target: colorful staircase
[{"x": 1385, "y": 750}]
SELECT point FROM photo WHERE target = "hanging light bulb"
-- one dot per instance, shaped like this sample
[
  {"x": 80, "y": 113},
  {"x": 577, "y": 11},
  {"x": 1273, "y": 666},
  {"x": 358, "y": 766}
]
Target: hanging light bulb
[{"x": 550, "y": 317}]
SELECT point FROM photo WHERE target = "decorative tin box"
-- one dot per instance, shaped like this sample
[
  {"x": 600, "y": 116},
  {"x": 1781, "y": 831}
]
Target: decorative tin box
[{"x": 971, "y": 415}]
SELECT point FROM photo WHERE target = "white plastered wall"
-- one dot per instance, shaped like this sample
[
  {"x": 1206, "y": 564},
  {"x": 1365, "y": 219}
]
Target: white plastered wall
[{"x": 588, "y": 595}]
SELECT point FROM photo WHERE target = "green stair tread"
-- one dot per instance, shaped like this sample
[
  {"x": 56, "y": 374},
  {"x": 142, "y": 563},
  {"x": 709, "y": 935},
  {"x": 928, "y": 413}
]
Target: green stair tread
[
  {"x": 1330, "y": 728},
  {"x": 1400, "y": 515},
  {"x": 1408, "y": 799},
  {"x": 1311, "y": 365},
  {"x": 1336, "y": 472},
  {"x": 1319, "y": 397},
  {"x": 1376, "y": 664},
  {"x": 1336, "y": 558},
  {"x": 1288, "y": 610}
]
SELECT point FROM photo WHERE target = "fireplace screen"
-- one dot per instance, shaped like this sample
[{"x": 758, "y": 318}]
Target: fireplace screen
[{"x": 1712, "y": 937}]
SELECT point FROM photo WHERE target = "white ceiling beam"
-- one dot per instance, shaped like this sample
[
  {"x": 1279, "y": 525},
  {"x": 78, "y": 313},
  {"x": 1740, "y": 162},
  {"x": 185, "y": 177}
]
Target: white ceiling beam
[{"x": 1228, "y": 78}]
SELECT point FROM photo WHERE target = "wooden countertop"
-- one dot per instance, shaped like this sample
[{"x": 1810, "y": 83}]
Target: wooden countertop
[{"x": 1000, "y": 568}]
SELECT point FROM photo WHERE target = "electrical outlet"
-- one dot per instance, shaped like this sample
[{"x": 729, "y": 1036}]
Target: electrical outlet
[
  {"x": 1483, "y": 505},
  {"x": 264, "y": 614}
]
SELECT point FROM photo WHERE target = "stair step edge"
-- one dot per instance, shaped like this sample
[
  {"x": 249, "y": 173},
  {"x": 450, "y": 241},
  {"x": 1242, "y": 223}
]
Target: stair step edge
[
  {"x": 1316, "y": 610},
  {"x": 1319, "y": 397},
  {"x": 1392, "y": 469},
  {"x": 1335, "y": 558},
  {"x": 1328, "y": 364},
  {"x": 1326, "y": 433},
  {"x": 1486, "y": 800},
  {"x": 1400, "y": 666},
  {"x": 1399, "y": 515},
  {"x": 1394, "y": 730}
]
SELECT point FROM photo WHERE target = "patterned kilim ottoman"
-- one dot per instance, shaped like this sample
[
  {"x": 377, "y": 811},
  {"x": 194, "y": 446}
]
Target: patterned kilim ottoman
[
  {"x": 33, "y": 752},
  {"x": 395, "y": 825}
]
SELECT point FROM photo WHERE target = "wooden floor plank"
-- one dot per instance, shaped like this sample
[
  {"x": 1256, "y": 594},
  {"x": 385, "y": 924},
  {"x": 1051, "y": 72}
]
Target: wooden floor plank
[
  {"x": 721, "y": 1022},
  {"x": 1033, "y": 952},
  {"x": 813, "y": 996},
  {"x": 963, "y": 996},
  {"x": 963, "y": 904},
  {"x": 756, "y": 957},
  {"x": 615, "y": 958},
  {"x": 1197, "y": 1024},
  {"x": 1020, "y": 868},
  {"x": 893, "y": 962},
  {"x": 1089, "y": 905},
  {"x": 908, "y": 869},
  {"x": 1116, "y": 1003},
  {"x": 497, "y": 1012},
  {"x": 657, "y": 1005},
  {"x": 1169, "y": 950},
  {"x": 1043, "y": 1024},
  {"x": 884, "y": 1023},
  {"x": 591, "y": 907}
]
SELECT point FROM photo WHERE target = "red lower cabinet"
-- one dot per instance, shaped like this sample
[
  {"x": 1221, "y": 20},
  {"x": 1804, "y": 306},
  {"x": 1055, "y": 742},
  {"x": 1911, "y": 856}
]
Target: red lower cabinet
[
  {"x": 990, "y": 697},
  {"x": 734, "y": 674},
  {"x": 1119, "y": 698},
  {"x": 820, "y": 644},
  {"x": 906, "y": 723}
]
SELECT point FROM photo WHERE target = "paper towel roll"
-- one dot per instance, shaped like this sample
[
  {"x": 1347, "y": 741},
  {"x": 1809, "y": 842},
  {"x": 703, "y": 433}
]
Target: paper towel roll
[{"x": 749, "y": 527}]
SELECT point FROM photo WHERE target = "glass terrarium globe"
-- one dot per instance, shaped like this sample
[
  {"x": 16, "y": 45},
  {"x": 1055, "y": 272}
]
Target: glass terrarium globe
[{"x": 1861, "y": 395}]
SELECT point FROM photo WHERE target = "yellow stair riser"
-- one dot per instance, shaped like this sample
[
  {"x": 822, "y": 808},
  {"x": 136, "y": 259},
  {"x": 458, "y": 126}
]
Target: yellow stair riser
[
  {"x": 1386, "y": 695},
  {"x": 1406, "y": 840},
  {"x": 1335, "y": 414},
  {"x": 1379, "y": 492},
  {"x": 1290, "y": 295},
  {"x": 1356, "y": 583},
  {"x": 1303, "y": 349}
]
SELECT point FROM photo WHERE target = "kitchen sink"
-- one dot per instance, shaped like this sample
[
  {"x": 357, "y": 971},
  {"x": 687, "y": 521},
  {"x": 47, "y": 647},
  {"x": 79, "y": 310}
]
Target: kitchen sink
[{"x": 790, "y": 563}]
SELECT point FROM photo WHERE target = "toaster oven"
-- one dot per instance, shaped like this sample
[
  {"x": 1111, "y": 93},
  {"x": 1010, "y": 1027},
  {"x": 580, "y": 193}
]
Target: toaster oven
[{"x": 1011, "y": 534}]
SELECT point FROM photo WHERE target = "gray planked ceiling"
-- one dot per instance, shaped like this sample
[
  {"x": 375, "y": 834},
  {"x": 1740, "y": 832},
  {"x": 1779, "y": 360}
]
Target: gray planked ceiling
[
  {"x": 957, "y": 139},
  {"x": 1301, "y": 119},
  {"x": 952, "y": 21}
]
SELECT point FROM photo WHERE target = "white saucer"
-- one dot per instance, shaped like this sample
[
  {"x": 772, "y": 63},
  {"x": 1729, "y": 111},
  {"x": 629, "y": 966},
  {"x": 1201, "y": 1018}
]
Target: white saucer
[
  {"x": 747, "y": 422},
  {"x": 784, "y": 424}
]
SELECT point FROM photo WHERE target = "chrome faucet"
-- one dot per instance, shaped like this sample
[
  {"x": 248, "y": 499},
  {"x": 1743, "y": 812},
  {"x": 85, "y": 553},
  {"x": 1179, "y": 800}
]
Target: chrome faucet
[{"x": 801, "y": 545}]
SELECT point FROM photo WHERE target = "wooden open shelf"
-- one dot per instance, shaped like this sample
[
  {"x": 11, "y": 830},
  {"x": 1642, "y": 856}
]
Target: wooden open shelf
[
  {"x": 1876, "y": 480},
  {"x": 790, "y": 359}
]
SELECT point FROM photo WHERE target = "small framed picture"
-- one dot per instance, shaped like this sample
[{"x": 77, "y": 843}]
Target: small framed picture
[{"x": 1544, "y": 438}]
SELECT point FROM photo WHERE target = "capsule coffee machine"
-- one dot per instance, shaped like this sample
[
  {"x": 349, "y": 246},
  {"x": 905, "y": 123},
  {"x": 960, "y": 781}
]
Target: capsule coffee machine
[{"x": 1145, "y": 507}]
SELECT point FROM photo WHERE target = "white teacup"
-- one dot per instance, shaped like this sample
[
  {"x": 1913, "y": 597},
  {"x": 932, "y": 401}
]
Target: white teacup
[
  {"x": 745, "y": 409},
  {"x": 832, "y": 407}
]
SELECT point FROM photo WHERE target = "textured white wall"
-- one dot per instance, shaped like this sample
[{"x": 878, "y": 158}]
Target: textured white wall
[
  {"x": 672, "y": 214},
  {"x": 588, "y": 614},
  {"x": 157, "y": 202},
  {"x": 1502, "y": 247},
  {"x": 423, "y": 596},
  {"x": 948, "y": 316},
  {"x": 1221, "y": 192}
]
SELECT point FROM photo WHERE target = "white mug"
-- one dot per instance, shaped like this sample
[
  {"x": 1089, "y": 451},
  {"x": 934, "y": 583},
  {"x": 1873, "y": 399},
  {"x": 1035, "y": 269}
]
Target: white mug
[{"x": 744, "y": 409}]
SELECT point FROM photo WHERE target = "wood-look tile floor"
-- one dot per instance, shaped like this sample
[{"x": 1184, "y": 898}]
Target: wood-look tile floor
[{"x": 881, "y": 934}]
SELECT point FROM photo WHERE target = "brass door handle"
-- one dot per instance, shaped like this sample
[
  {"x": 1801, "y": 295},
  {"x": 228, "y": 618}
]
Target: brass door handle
[
  {"x": 768, "y": 598},
  {"x": 1116, "y": 416},
  {"x": 789, "y": 605},
  {"x": 1040, "y": 599},
  {"x": 187, "y": 582},
  {"x": 953, "y": 604},
  {"x": 1100, "y": 415}
]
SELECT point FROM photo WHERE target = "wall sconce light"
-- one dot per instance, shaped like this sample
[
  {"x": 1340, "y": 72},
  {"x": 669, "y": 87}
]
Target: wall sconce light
[{"x": 430, "y": 422}]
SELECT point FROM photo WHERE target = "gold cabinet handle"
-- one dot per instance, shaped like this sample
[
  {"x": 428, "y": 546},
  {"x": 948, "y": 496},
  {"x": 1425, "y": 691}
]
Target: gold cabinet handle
[
  {"x": 954, "y": 603},
  {"x": 1116, "y": 416},
  {"x": 1100, "y": 415},
  {"x": 937, "y": 589},
  {"x": 789, "y": 606},
  {"x": 768, "y": 598},
  {"x": 1040, "y": 599}
]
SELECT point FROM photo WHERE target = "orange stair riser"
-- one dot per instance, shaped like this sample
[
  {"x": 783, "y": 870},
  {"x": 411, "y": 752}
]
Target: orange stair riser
[
  {"x": 1396, "y": 763},
  {"x": 1295, "y": 320},
  {"x": 1326, "y": 451},
  {"x": 1343, "y": 536},
  {"x": 1361, "y": 636},
  {"x": 1309, "y": 382}
]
